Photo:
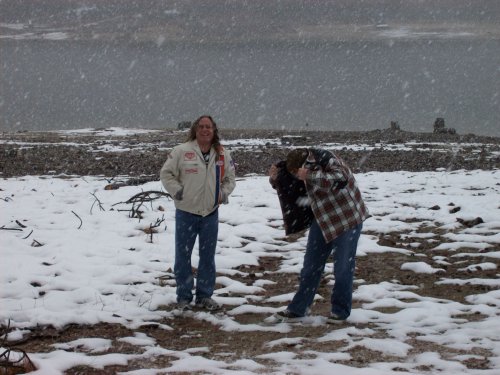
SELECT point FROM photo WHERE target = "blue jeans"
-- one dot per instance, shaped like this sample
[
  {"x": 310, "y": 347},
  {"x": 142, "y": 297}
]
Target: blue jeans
[
  {"x": 317, "y": 253},
  {"x": 187, "y": 227}
]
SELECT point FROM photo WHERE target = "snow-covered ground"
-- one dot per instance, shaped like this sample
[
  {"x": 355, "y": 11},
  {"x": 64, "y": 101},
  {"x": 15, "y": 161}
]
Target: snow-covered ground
[{"x": 70, "y": 253}]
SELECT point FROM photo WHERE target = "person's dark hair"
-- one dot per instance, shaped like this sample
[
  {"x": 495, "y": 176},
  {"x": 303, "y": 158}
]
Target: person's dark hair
[
  {"x": 295, "y": 159},
  {"x": 215, "y": 142}
]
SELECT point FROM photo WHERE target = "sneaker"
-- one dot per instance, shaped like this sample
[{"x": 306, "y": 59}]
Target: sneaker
[
  {"x": 335, "y": 319},
  {"x": 288, "y": 316},
  {"x": 207, "y": 303},
  {"x": 184, "y": 305}
]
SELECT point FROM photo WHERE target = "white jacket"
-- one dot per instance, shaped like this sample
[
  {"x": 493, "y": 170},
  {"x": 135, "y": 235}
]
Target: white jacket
[{"x": 195, "y": 186}]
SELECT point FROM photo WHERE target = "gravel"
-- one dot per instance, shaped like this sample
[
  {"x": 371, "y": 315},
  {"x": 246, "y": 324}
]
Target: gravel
[{"x": 106, "y": 153}]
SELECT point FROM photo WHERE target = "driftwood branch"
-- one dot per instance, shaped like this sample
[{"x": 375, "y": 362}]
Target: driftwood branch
[
  {"x": 151, "y": 230},
  {"x": 19, "y": 362},
  {"x": 96, "y": 201},
  {"x": 145, "y": 197},
  {"x": 16, "y": 361},
  {"x": 29, "y": 234},
  {"x": 35, "y": 243},
  {"x": 18, "y": 229},
  {"x": 20, "y": 224},
  {"x": 81, "y": 222},
  {"x": 148, "y": 196},
  {"x": 6, "y": 331},
  {"x": 3, "y": 228},
  {"x": 141, "y": 198}
]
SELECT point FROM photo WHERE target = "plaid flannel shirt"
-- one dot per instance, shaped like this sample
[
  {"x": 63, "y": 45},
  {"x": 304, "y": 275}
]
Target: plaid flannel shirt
[{"x": 335, "y": 197}]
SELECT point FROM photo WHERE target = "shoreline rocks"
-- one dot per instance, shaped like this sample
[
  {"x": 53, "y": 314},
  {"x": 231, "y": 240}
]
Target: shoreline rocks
[{"x": 142, "y": 154}]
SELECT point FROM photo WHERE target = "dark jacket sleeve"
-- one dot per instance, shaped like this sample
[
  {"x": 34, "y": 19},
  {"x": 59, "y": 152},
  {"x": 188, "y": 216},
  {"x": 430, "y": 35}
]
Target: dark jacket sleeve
[{"x": 292, "y": 194}]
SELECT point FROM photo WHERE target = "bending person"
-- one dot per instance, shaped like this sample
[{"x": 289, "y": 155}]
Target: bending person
[{"x": 339, "y": 212}]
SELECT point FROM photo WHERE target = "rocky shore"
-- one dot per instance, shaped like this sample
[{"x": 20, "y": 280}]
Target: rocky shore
[{"x": 117, "y": 152}]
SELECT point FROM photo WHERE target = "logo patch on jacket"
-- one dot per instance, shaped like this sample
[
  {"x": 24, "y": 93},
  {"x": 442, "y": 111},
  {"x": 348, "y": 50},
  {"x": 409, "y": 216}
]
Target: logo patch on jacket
[
  {"x": 189, "y": 155},
  {"x": 191, "y": 170}
]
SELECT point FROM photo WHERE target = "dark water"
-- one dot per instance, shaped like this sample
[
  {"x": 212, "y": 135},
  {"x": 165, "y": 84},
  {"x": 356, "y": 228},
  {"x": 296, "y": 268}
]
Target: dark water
[{"x": 339, "y": 86}]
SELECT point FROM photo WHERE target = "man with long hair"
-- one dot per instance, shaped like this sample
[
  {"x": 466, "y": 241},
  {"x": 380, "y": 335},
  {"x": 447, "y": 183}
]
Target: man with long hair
[{"x": 199, "y": 174}]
